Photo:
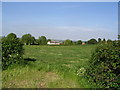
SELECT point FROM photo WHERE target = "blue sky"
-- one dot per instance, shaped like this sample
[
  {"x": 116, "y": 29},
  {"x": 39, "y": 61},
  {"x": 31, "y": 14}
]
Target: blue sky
[
  {"x": 0, "y": 19},
  {"x": 61, "y": 20}
]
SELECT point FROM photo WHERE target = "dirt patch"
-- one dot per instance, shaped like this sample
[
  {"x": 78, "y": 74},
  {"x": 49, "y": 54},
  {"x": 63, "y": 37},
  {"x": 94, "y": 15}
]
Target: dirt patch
[{"x": 49, "y": 77}]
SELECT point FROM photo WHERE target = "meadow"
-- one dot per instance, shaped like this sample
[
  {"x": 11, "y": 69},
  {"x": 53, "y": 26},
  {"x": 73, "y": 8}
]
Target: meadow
[{"x": 50, "y": 67}]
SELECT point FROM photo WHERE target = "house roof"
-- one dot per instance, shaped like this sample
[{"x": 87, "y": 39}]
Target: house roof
[{"x": 54, "y": 42}]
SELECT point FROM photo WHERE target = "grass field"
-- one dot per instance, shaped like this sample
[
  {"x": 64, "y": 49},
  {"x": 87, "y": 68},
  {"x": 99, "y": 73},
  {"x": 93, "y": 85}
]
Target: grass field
[{"x": 50, "y": 67}]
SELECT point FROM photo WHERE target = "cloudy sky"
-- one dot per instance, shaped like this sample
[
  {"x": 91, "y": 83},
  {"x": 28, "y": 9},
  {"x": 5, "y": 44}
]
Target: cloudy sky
[{"x": 61, "y": 20}]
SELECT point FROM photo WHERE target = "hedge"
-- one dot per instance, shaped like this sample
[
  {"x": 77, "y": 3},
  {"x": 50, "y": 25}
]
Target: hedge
[{"x": 104, "y": 65}]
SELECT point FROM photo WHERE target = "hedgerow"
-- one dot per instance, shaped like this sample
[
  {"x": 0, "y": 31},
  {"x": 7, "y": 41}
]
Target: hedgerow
[
  {"x": 104, "y": 65},
  {"x": 12, "y": 51}
]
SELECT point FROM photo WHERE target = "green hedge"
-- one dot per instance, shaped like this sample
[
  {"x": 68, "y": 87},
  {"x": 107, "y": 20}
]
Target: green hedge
[
  {"x": 12, "y": 51},
  {"x": 104, "y": 66}
]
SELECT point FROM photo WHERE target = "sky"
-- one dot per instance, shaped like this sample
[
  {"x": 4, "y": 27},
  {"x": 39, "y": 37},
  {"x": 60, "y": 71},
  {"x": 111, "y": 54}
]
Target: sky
[
  {"x": 119, "y": 18},
  {"x": 0, "y": 19},
  {"x": 61, "y": 20},
  {"x": 59, "y": 0}
]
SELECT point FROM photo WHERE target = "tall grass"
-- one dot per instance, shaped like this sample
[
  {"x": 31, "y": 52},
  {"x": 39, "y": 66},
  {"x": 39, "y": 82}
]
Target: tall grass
[{"x": 52, "y": 67}]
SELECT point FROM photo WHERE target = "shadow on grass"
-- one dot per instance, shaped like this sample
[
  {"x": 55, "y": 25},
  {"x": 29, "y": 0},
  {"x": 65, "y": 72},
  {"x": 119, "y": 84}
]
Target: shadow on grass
[{"x": 30, "y": 59}]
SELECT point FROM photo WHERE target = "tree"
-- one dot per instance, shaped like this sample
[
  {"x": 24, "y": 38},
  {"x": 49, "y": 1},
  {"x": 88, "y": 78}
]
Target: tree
[
  {"x": 11, "y": 36},
  {"x": 37, "y": 41},
  {"x": 104, "y": 39},
  {"x": 42, "y": 40},
  {"x": 118, "y": 36},
  {"x": 74, "y": 42},
  {"x": 33, "y": 40},
  {"x": 12, "y": 50},
  {"x": 92, "y": 41},
  {"x": 79, "y": 42},
  {"x": 48, "y": 40},
  {"x": 28, "y": 39},
  {"x": 68, "y": 42},
  {"x": 99, "y": 40},
  {"x": 109, "y": 41}
]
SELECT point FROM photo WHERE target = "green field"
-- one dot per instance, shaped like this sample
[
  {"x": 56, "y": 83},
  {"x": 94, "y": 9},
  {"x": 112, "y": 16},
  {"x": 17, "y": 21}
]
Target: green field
[{"x": 50, "y": 67}]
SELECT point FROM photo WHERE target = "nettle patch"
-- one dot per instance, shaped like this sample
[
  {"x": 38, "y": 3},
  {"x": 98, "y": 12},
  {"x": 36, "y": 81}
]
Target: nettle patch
[{"x": 104, "y": 66}]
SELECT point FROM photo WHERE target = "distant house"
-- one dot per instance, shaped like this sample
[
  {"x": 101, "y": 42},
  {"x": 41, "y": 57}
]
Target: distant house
[
  {"x": 83, "y": 43},
  {"x": 53, "y": 43}
]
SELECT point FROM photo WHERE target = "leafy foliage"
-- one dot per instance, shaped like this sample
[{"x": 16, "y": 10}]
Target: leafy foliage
[
  {"x": 12, "y": 50},
  {"x": 48, "y": 40},
  {"x": 28, "y": 39},
  {"x": 104, "y": 40},
  {"x": 92, "y": 41},
  {"x": 99, "y": 40},
  {"x": 104, "y": 66},
  {"x": 42, "y": 40},
  {"x": 118, "y": 36},
  {"x": 68, "y": 42},
  {"x": 79, "y": 42},
  {"x": 109, "y": 41},
  {"x": 11, "y": 35}
]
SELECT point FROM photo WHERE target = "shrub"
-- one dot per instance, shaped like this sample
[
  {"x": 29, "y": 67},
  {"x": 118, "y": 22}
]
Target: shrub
[
  {"x": 68, "y": 42},
  {"x": 104, "y": 66},
  {"x": 92, "y": 41},
  {"x": 79, "y": 42},
  {"x": 12, "y": 51}
]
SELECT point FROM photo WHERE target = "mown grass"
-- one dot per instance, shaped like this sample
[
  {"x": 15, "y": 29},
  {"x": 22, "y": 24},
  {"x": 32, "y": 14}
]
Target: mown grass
[{"x": 50, "y": 67}]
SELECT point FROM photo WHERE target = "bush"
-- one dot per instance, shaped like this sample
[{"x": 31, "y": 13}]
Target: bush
[
  {"x": 104, "y": 66},
  {"x": 79, "y": 42},
  {"x": 92, "y": 41},
  {"x": 68, "y": 42},
  {"x": 12, "y": 51}
]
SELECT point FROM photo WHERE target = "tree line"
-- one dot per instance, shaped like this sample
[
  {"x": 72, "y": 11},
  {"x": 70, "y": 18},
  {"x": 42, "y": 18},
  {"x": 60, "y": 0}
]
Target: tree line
[{"x": 28, "y": 39}]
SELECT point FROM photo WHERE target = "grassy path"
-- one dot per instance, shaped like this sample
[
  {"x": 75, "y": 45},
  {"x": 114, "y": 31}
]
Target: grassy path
[{"x": 50, "y": 67}]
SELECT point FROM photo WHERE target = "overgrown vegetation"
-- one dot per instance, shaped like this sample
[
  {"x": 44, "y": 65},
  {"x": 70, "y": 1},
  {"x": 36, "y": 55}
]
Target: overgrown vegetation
[
  {"x": 69, "y": 62},
  {"x": 50, "y": 67},
  {"x": 104, "y": 66},
  {"x": 92, "y": 41},
  {"x": 12, "y": 50}
]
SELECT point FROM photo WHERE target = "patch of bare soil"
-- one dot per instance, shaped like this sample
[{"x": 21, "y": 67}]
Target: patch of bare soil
[{"x": 49, "y": 77}]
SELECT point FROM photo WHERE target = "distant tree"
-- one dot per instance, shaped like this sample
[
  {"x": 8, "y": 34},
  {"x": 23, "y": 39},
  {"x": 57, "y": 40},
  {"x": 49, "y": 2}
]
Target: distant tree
[
  {"x": 118, "y": 36},
  {"x": 85, "y": 42},
  {"x": 42, "y": 40},
  {"x": 92, "y": 41},
  {"x": 109, "y": 41},
  {"x": 68, "y": 42},
  {"x": 11, "y": 36},
  {"x": 104, "y": 40},
  {"x": 79, "y": 42},
  {"x": 37, "y": 41},
  {"x": 74, "y": 43},
  {"x": 27, "y": 39},
  {"x": 99, "y": 40},
  {"x": 48, "y": 40},
  {"x": 33, "y": 40}
]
